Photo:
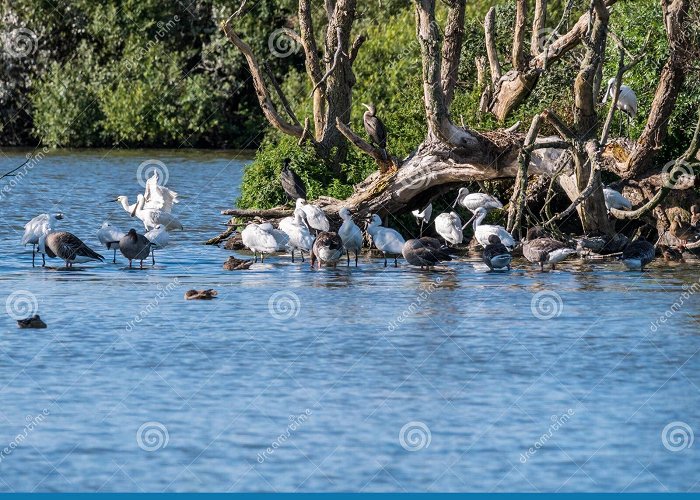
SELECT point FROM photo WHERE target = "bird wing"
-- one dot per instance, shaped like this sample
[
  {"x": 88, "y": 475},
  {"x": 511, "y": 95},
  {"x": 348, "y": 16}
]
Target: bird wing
[
  {"x": 72, "y": 246},
  {"x": 159, "y": 197}
]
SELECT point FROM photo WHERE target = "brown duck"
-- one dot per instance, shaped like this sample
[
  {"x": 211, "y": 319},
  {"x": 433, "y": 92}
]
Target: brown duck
[
  {"x": 234, "y": 264},
  {"x": 682, "y": 231},
  {"x": 540, "y": 249},
  {"x": 201, "y": 294}
]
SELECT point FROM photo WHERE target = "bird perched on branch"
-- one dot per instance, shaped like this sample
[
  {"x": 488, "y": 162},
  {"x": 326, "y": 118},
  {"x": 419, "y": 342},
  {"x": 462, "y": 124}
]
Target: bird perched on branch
[
  {"x": 425, "y": 252},
  {"x": 291, "y": 183},
  {"x": 374, "y": 127},
  {"x": 626, "y": 102}
]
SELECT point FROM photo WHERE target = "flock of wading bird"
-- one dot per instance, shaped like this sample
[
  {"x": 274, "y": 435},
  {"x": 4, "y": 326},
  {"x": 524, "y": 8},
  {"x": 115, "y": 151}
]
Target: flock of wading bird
[
  {"x": 309, "y": 230},
  {"x": 153, "y": 208}
]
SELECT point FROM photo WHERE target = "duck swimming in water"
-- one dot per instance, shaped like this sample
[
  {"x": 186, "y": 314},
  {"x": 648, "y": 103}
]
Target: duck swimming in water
[
  {"x": 496, "y": 255},
  {"x": 638, "y": 254},
  {"x": 208, "y": 294},
  {"x": 234, "y": 264},
  {"x": 33, "y": 322},
  {"x": 540, "y": 249}
]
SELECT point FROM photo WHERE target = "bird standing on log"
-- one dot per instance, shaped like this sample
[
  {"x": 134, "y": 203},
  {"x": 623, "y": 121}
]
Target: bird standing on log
[
  {"x": 626, "y": 102},
  {"x": 291, "y": 183},
  {"x": 374, "y": 127}
]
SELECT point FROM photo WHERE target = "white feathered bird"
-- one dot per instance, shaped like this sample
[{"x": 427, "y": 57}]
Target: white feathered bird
[
  {"x": 300, "y": 237},
  {"x": 615, "y": 199},
  {"x": 159, "y": 238},
  {"x": 109, "y": 236},
  {"x": 449, "y": 226},
  {"x": 315, "y": 217},
  {"x": 473, "y": 201},
  {"x": 263, "y": 238},
  {"x": 423, "y": 216},
  {"x": 151, "y": 217},
  {"x": 39, "y": 226},
  {"x": 626, "y": 101},
  {"x": 483, "y": 231},
  {"x": 350, "y": 233},
  {"x": 387, "y": 240}
]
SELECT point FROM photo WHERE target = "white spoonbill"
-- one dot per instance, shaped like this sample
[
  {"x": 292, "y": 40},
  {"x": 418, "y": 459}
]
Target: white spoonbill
[
  {"x": 387, "y": 240},
  {"x": 159, "y": 238},
  {"x": 158, "y": 196},
  {"x": 260, "y": 238},
  {"x": 626, "y": 102},
  {"x": 36, "y": 228},
  {"x": 109, "y": 236},
  {"x": 300, "y": 238},
  {"x": 449, "y": 226},
  {"x": 314, "y": 216},
  {"x": 483, "y": 231},
  {"x": 151, "y": 217},
  {"x": 350, "y": 233},
  {"x": 473, "y": 201},
  {"x": 423, "y": 216},
  {"x": 615, "y": 199}
]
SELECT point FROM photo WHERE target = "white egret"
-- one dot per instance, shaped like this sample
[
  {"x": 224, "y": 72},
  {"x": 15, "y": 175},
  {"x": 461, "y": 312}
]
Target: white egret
[
  {"x": 449, "y": 227},
  {"x": 387, "y": 240},
  {"x": 626, "y": 102},
  {"x": 109, "y": 236},
  {"x": 483, "y": 231},
  {"x": 350, "y": 233},
  {"x": 315, "y": 217},
  {"x": 423, "y": 216},
  {"x": 36, "y": 228},
  {"x": 300, "y": 238}
]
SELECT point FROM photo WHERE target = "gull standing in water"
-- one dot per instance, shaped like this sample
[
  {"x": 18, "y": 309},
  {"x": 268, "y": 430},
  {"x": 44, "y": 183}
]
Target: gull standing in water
[
  {"x": 68, "y": 247},
  {"x": 449, "y": 226},
  {"x": 135, "y": 246},
  {"x": 36, "y": 228},
  {"x": 387, "y": 240},
  {"x": 350, "y": 233},
  {"x": 423, "y": 216},
  {"x": 483, "y": 231},
  {"x": 315, "y": 217},
  {"x": 159, "y": 239},
  {"x": 109, "y": 236},
  {"x": 300, "y": 238}
]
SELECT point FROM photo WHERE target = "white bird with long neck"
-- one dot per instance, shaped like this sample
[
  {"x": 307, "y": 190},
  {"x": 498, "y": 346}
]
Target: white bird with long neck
[
  {"x": 151, "y": 217},
  {"x": 109, "y": 236},
  {"x": 300, "y": 238},
  {"x": 36, "y": 228},
  {"x": 626, "y": 102},
  {"x": 387, "y": 240},
  {"x": 423, "y": 216},
  {"x": 263, "y": 238},
  {"x": 483, "y": 231},
  {"x": 156, "y": 197},
  {"x": 350, "y": 233},
  {"x": 473, "y": 201},
  {"x": 315, "y": 217}
]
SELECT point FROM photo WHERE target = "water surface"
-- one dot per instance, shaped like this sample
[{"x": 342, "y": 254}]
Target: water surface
[{"x": 370, "y": 379}]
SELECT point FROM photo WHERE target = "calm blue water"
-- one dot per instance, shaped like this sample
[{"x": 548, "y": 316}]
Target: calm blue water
[{"x": 367, "y": 379}]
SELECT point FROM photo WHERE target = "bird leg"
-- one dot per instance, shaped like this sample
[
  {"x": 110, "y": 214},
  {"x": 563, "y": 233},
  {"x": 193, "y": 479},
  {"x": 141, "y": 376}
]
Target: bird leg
[
  {"x": 421, "y": 228},
  {"x": 33, "y": 253},
  {"x": 355, "y": 258},
  {"x": 255, "y": 255},
  {"x": 153, "y": 256},
  {"x": 384, "y": 258},
  {"x": 141, "y": 265},
  {"x": 348, "y": 252},
  {"x": 262, "y": 256},
  {"x": 302, "y": 255},
  {"x": 130, "y": 264},
  {"x": 292, "y": 256},
  {"x": 43, "y": 260},
  {"x": 114, "y": 260},
  {"x": 542, "y": 266},
  {"x": 396, "y": 262}
]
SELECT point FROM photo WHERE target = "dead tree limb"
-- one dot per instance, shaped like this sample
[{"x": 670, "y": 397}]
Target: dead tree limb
[
  {"x": 280, "y": 93},
  {"x": 491, "y": 51},
  {"x": 451, "y": 48},
  {"x": 517, "y": 200}
]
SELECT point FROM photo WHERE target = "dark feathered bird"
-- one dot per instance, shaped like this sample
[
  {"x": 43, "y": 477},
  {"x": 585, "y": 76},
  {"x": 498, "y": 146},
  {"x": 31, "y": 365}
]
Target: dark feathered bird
[
  {"x": 374, "y": 127},
  {"x": 638, "y": 254},
  {"x": 328, "y": 249},
  {"x": 496, "y": 255},
  {"x": 291, "y": 183},
  {"x": 425, "y": 252},
  {"x": 69, "y": 247},
  {"x": 33, "y": 322},
  {"x": 135, "y": 246},
  {"x": 539, "y": 249}
]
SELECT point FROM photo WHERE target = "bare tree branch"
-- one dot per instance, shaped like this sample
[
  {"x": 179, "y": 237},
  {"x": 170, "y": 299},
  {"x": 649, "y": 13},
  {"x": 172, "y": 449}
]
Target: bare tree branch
[
  {"x": 336, "y": 60},
  {"x": 280, "y": 93},
  {"x": 538, "y": 23},
  {"x": 452, "y": 49},
  {"x": 491, "y": 51},
  {"x": 355, "y": 49},
  {"x": 518, "y": 53}
]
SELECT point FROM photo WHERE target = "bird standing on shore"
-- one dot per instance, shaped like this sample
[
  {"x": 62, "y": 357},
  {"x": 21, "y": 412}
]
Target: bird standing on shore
[
  {"x": 300, "y": 237},
  {"x": 262, "y": 239},
  {"x": 350, "y": 233},
  {"x": 540, "y": 249}
]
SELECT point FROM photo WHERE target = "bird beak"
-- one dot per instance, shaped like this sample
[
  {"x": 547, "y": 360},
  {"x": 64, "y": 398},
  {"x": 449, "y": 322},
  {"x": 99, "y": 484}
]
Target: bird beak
[
  {"x": 468, "y": 222},
  {"x": 365, "y": 105},
  {"x": 109, "y": 201}
]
